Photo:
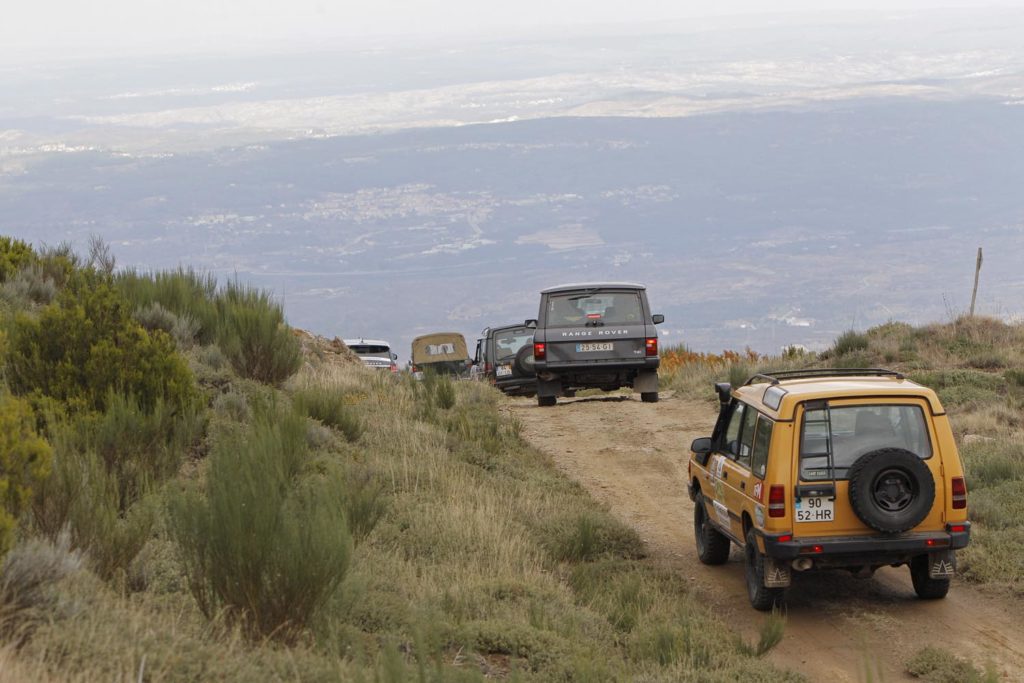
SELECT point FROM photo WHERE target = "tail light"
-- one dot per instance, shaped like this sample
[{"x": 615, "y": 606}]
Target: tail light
[
  {"x": 652, "y": 346},
  {"x": 539, "y": 351},
  {"x": 415, "y": 369},
  {"x": 394, "y": 367},
  {"x": 777, "y": 501},
  {"x": 959, "y": 493},
  {"x": 488, "y": 367}
]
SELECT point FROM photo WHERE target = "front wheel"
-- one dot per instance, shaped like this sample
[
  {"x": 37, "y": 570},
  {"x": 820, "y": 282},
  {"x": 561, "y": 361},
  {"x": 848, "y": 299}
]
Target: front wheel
[
  {"x": 925, "y": 586},
  {"x": 649, "y": 397},
  {"x": 761, "y": 597},
  {"x": 712, "y": 545}
]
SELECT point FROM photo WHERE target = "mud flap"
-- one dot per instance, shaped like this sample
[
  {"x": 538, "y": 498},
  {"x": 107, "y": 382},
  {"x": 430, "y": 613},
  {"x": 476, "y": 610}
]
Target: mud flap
[
  {"x": 776, "y": 573},
  {"x": 941, "y": 565},
  {"x": 646, "y": 382},
  {"x": 546, "y": 388}
]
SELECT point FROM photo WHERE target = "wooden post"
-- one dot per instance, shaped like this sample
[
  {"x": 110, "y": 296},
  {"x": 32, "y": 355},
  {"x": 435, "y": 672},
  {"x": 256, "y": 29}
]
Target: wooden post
[{"x": 977, "y": 272}]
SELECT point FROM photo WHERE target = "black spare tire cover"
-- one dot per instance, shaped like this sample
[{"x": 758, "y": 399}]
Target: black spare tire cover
[
  {"x": 522, "y": 366},
  {"x": 891, "y": 489}
]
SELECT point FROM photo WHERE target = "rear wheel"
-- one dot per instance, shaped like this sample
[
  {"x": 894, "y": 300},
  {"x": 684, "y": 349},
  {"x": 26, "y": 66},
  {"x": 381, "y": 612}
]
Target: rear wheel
[
  {"x": 649, "y": 397},
  {"x": 761, "y": 597},
  {"x": 546, "y": 401},
  {"x": 925, "y": 586},
  {"x": 712, "y": 545}
]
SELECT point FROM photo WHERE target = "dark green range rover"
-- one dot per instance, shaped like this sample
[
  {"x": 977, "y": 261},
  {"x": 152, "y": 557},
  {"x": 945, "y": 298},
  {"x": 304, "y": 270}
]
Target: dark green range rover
[{"x": 598, "y": 335}]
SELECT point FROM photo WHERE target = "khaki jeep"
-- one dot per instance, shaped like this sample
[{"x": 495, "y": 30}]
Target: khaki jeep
[{"x": 823, "y": 469}]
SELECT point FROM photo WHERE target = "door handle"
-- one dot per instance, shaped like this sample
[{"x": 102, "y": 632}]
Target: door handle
[
  {"x": 743, "y": 484},
  {"x": 725, "y": 475}
]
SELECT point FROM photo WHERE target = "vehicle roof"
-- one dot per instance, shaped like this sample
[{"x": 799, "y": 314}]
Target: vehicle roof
[
  {"x": 360, "y": 340},
  {"x": 810, "y": 389},
  {"x": 499, "y": 328},
  {"x": 592, "y": 285}
]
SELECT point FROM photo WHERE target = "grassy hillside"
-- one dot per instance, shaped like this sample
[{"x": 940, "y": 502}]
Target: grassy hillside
[
  {"x": 189, "y": 496},
  {"x": 977, "y": 367}
]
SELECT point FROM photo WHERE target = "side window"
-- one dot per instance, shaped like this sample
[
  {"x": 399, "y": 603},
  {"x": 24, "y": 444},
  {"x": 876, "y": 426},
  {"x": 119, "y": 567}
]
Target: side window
[
  {"x": 732, "y": 432},
  {"x": 762, "y": 444},
  {"x": 746, "y": 443}
]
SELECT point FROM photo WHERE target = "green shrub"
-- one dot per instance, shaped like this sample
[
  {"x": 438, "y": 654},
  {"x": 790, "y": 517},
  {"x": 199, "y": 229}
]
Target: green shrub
[
  {"x": 990, "y": 463},
  {"x": 25, "y": 460},
  {"x": 86, "y": 345},
  {"x": 267, "y": 542},
  {"x": 182, "y": 328},
  {"x": 29, "y": 286},
  {"x": 185, "y": 292},
  {"x": 365, "y": 501},
  {"x": 590, "y": 535},
  {"x": 253, "y": 335},
  {"x": 14, "y": 255},
  {"x": 853, "y": 359},
  {"x": 87, "y": 500},
  {"x": 848, "y": 342},
  {"x": 27, "y": 576},
  {"x": 1014, "y": 377},
  {"x": 940, "y": 666},
  {"x": 330, "y": 405}
]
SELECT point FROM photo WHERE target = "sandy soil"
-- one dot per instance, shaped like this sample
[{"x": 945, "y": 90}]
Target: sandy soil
[{"x": 633, "y": 456}]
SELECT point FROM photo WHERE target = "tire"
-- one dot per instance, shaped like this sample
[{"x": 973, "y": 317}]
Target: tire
[
  {"x": 522, "y": 365},
  {"x": 546, "y": 401},
  {"x": 761, "y": 597},
  {"x": 712, "y": 545},
  {"x": 891, "y": 490},
  {"x": 926, "y": 587},
  {"x": 649, "y": 397}
]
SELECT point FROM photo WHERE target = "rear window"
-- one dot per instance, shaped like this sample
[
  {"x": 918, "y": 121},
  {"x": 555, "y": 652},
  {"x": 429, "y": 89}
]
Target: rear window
[
  {"x": 507, "y": 343},
  {"x": 371, "y": 350},
  {"x": 593, "y": 308},
  {"x": 853, "y": 431}
]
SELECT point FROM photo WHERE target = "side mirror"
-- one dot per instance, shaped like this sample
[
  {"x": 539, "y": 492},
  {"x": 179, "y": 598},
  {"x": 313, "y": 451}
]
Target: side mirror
[
  {"x": 657, "y": 318},
  {"x": 531, "y": 323},
  {"x": 394, "y": 356},
  {"x": 701, "y": 446},
  {"x": 724, "y": 390}
]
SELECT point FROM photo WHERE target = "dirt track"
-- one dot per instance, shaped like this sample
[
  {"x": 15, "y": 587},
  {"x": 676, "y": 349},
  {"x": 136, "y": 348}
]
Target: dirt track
[{"x": 632, "y": 456}]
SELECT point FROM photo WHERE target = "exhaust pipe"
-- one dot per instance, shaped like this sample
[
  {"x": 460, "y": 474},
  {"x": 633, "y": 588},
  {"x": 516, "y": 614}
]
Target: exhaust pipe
[{"x": 802, "y": 564}]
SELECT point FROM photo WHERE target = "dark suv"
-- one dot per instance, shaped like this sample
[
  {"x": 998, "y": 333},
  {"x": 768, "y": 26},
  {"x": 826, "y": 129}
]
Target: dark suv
[
  {"x": 504, "y": 357},
  {"x": 595, "y": 336}
]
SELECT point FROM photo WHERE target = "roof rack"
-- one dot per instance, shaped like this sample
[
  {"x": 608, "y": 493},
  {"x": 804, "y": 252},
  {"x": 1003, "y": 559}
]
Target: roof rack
[{"x": 811, "y": 373}]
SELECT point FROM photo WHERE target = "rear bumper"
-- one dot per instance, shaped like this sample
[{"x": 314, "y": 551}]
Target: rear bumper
[
  {"x": 861, "y": 550},
  {"x": 598, "y": 366},
  {"x": 520, "y": 386}
]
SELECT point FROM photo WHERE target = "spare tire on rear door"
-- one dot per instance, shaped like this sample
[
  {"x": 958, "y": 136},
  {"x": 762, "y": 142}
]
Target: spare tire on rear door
[
  {"x": 891, "y": 489},
  {"x": 522, "y": 366}
]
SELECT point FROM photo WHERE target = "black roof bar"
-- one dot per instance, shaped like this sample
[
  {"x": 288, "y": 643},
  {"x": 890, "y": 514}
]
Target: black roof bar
[{"x": 811, "y": 373}]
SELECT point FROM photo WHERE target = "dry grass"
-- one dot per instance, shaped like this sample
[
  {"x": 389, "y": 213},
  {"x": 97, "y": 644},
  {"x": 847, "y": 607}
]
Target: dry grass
[{"x": 481, "y": 560}]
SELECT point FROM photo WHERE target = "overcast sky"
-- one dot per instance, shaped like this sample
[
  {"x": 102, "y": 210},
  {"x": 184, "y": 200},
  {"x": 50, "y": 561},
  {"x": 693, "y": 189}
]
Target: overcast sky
[{"x": 72, "y": 28}]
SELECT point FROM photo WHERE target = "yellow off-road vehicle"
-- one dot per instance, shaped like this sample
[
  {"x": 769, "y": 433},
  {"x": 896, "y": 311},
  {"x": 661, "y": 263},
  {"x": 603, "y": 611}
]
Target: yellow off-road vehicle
[{"x": 823, "y": 469}]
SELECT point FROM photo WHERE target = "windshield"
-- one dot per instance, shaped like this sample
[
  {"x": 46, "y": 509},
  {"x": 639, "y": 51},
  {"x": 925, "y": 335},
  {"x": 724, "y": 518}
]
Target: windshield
[
  {"x": 375, "y": 350},
  {"x": 594, "y": 308},
  {"x": 508, "y": 342},
  {"x": 857, "y": 430}
]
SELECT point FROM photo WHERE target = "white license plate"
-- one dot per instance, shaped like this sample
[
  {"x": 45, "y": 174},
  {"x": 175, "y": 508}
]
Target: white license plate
[
  {"x": 503, "y": 371},
  {"x": 815, "y": 509},
  {"x": 595, "y": 346}
]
